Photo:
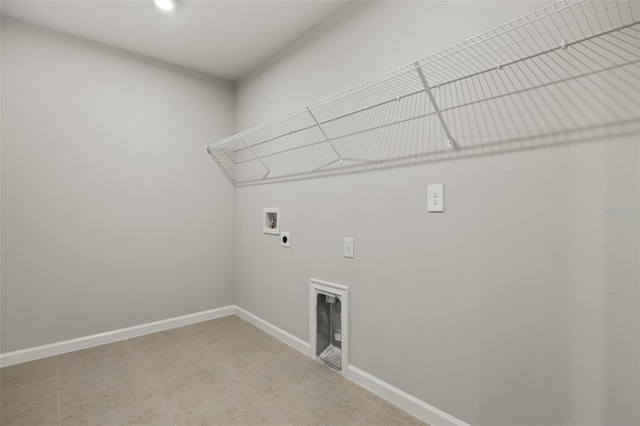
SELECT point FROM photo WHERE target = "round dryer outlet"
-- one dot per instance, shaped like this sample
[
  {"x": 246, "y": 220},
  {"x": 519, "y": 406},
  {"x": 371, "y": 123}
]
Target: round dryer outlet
[{"x": 285, "y": 239}]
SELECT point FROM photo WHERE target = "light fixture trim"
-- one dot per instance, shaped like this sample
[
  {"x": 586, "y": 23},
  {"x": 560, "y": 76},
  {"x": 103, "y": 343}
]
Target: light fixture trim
[{"x": 166, "y": 4}]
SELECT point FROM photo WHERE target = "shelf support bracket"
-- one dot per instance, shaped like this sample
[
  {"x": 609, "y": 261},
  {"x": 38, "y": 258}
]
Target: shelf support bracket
[
  {"x": 451, "y": 142},
  {"x": 224, "y": 170},
  {"x": 257, "y": 157},
  {"x": 329, "y": 141}
]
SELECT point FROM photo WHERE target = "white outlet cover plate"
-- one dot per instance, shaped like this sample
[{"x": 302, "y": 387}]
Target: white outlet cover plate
[
  {"x": 285, "y": 236},
  {"x": 348, "y": 247},
  {"x": 435, "y": 198}
]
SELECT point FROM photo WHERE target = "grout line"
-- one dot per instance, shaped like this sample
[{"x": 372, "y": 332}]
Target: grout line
[
  {"x": 269, "y": 404},
  {"x": 233, "y": 373},
  {"x": 209, "y": 351},
  {"x": 197, "y": 341},
  {"x": 203, "y": 347},
  {"x": 260, "y": 396},
  {"x": 331, "y": 377},
  {"x": 343, "y": 381},
  {"x": 353, "y": 384},
  {"x": 240, "y": 379},
  {"x": 153, "y": 388},
  {"x": 375, "y": 408},
  {"x": 58, "y": 390},
  {"x": 311, "y": 384}
]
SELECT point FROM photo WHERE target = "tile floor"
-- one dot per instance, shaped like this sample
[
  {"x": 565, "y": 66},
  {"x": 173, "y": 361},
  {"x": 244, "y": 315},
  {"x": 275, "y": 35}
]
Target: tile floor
[{"x": 219, "y": 372}]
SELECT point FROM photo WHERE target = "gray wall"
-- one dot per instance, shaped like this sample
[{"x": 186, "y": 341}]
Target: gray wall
[
  {"x": 112, "y": 216},
  {"x": 518, "y": 305}
]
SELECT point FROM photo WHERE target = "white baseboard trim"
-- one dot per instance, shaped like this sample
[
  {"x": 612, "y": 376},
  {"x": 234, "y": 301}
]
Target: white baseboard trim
[
  {"x": 409, "y": 403},
  {"x": 38, "y": 352},
  {"x": 274, "y": 331}
]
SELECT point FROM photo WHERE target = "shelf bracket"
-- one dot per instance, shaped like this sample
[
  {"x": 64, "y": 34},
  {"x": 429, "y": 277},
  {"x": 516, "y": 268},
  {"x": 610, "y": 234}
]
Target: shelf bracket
[
  {"x": 224, "y": 170},
  {"x": 329, "y": 141},
  {"x": 257, "y": 157},
  {"x": 451, "y": 142}
]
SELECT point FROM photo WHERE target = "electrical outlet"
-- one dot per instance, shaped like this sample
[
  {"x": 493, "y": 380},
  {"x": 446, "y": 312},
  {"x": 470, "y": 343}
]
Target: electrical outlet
[
  {"x": 435, "y": 198},
  {"x": 348, "y": 247},
  {"x": 285, "y": 239}
]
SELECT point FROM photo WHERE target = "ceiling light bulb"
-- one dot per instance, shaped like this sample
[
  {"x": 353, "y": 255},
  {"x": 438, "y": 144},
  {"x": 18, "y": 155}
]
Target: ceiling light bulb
[{"x": 166, "y": 4}]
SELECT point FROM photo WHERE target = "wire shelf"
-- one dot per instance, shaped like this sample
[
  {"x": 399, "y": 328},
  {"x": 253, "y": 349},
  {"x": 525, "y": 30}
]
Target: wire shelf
[{"x": 567, "y": 72}]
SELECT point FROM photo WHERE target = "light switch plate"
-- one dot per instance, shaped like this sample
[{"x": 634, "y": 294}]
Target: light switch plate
[
  {"x": 435, "y": 198},
  {"x": 348, "y": 247}
]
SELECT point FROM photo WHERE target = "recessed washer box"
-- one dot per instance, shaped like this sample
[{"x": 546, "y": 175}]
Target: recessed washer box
[{"x": 271, "y": 220}]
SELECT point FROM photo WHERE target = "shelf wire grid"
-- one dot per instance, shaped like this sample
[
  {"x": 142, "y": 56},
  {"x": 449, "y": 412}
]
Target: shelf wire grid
[{"x": 565, "y": 73}]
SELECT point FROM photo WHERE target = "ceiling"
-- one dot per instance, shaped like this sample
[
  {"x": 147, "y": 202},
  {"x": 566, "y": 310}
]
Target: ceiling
[{"x": 227, "y": 39}]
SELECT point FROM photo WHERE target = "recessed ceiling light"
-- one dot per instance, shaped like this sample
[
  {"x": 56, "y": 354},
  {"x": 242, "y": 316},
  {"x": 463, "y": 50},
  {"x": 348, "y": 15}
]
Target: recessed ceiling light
[{"x": 166, "y": 4}]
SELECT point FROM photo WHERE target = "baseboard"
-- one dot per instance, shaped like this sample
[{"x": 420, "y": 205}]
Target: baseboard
[
  {"x": 274, "y": 331},
  {"x": 409, "y": 403},
  {"x": 38, "y": 352}
]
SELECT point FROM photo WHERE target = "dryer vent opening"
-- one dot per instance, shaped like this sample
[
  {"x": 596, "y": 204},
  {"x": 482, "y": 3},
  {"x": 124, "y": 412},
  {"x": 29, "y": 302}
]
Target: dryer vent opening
[{"x": 329, "y": 329}]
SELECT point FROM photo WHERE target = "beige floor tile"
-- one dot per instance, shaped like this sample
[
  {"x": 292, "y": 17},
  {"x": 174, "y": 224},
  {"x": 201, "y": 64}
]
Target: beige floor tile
[
  {"x": 246, "y": 353},
  {"x": 351, "y": 386},
  {"x": 33, "y": 404},
  {"x": 239, "y": 407},
  {"x": 103, "y": 404},
  {"x": 188, "y": 387},
  {"x": 368, "y": 396},
  {"x": 28, "y": 373},
  {"x": 158, "y": 341},
  {"x": 322, "y": 403},
  {"x": 219, "y": 372},
  {"x": 183, "y": 402},
  {"x": 335, "y": 376},
  {"x": 222, "y": 331},
  {"x": 387, "y": 415},
  {"x": 182, "y": 375},
  {"x": 220, "y": 325},
  {"x": 113, "y": 364},
  {"x": 188, "y": 353},
  {"x": 108, "y": 352},
  {"x": 116, "y": 375},
  {"x": 278, "y": 376},
  {"x": 304, "y": 359},
  {"x": 150, "y": 412}
]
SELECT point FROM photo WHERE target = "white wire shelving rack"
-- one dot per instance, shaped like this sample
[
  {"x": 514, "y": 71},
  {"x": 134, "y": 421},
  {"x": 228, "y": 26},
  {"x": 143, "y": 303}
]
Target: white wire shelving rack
[{"x": 565, "y": 73}]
